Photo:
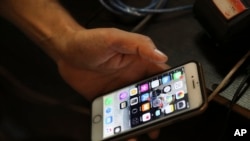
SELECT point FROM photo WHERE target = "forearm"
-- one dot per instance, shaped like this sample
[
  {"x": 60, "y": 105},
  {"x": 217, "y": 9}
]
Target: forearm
[{"x": 42, "y": 20}]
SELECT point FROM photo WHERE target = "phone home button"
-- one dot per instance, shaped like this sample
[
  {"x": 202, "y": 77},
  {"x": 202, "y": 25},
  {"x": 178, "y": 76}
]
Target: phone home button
[{"x": 97, "y": 119}]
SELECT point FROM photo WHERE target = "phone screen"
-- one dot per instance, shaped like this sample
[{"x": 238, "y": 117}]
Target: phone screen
[{"x": 135, "y": 105}]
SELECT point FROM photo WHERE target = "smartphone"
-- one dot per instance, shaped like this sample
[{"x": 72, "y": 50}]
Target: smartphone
[{"x": 175, "y": 94}]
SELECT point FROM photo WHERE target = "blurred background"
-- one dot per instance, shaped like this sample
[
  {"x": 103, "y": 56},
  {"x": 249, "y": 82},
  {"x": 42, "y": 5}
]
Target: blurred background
[{"x": 37, "y": 105}]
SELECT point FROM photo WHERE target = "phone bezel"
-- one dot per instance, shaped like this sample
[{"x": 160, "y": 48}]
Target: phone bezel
[{"x": 197, "y": 101}]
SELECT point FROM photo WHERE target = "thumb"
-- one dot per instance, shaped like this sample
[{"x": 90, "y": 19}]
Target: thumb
[{"x": 136, "y": 44}]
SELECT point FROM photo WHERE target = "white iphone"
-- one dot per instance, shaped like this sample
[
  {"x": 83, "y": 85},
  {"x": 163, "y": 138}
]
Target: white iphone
[{"x": 170, "y": 96}]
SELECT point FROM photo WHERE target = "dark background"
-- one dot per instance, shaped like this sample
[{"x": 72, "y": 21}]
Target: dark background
[{"x": 37, "y": 105}]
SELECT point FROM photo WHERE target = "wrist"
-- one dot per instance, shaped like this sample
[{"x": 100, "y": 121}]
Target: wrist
[{"x": 56, "y": 44}]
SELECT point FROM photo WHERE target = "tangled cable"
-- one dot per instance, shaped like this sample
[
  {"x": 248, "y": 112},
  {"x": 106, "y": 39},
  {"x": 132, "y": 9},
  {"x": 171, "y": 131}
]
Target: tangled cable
[{"x": 155, "y": 6}]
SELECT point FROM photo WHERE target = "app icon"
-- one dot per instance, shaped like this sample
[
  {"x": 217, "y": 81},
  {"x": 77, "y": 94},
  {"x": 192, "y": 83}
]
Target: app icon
[
  {"x": 178, "y": 84},
  {"x": 133, "y": 91},
  {"x": 117, "y": 129},
  {"x": 177, "y": 75},
  {"x": 135, "y": 121},
  {"x": 133, "y": 101},
  {"x": 165, "y": 79},
  {"x": 167, "y": 89},
  {"x": 179, "y": 94},
  {"x": 109, "y": 130},
  {"x": 134, "y": 110},
  {"x": 145, "y": 97},
  {"x": 146, "y": 117},
  {"x": 169, "y": 108},
  {"x": 157, "y": 112},
  {"x": 157, "y": 102},
  {"x": 144, "y": 87},
  {"x": 108, "y": 101},
  {"x": 123, "y": 95},
  {"x": 156, "y": 93},
  {"x": 181, "y": 105},
  {"x": 123, "y": 105},
  {"x": 109, "y": 120},
  {"x": 145, "y": 107},
  {"x": 108, "y": 110},
  {"x": 155, "y": 83},
  {"x": 169, "y": 98}
]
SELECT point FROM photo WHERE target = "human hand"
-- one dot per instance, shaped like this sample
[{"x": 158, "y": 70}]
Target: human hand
[
  {"x": 108, "y": 59},
  {"x": 88, "y": 59},
  {"x": 96, "y": 61},
  {"x": 92, "y": 61}
]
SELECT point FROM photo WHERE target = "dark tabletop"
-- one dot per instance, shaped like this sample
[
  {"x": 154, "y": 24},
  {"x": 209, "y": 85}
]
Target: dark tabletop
[{"x": 25, "y": 69}]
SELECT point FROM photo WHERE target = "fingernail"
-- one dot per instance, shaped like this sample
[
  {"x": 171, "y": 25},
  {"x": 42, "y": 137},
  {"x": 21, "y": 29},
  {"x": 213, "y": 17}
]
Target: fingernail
[{"x": 159, "y": 52}]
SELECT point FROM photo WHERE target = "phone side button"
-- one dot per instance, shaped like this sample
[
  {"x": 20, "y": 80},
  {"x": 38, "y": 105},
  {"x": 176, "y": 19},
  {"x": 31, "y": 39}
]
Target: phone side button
[{"x": 97, "y": 119}]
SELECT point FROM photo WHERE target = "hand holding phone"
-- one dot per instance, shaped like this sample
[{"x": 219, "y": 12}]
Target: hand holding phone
[{"x": 172, "y": 95}]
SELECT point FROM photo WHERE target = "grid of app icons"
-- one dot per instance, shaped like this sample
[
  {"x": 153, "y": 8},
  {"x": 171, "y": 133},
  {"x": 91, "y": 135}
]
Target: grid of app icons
[
  {"x": 158, "y": 97},
  {"x": 146, "y": 101}
]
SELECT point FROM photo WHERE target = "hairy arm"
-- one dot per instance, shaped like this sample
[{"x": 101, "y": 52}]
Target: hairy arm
[{"x": 43, "y": 21}]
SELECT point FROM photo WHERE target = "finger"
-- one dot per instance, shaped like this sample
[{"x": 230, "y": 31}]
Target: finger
[
  {"x": 132, "y": 43},
  {"x": 132, "y": 139},
  {"x": 154, "y": 134}
]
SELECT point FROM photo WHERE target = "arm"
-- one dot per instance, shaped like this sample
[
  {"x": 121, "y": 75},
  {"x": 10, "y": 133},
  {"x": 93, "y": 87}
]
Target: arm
[
  {"x": 84, "y": 56},
  {"x": 42, "y": 20}
]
